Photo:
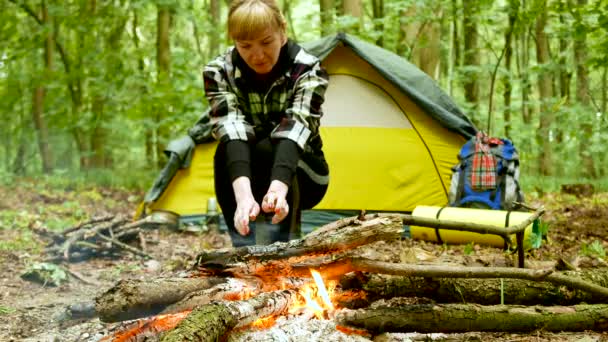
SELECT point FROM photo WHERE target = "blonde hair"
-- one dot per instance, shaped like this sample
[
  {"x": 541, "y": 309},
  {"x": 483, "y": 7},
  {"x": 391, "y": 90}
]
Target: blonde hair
[{"x": 248, "y": 18}]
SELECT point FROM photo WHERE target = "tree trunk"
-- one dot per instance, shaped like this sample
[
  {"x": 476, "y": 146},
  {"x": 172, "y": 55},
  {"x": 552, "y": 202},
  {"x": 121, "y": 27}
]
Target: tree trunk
[
  {"x": 523, "y": 63},
  {"x": 545, "y": 160},
  {"x": 582, "y": 91},
  {"x": 212, "y": 321},
  {"x": 480, "y": 291},
  {"x": 99, "y": 133},
  {"x": 138, "y": 298},
  {"x": 423, "y": 38},
  {"x": 353, "y": 8},
  {"x": 471, "y": 59},
  {"x": 163, "y": 62},
  {"x": 513, "y": 13},
  {"x": 455, "y": 46},
  {"x": 452, "y": 318},
  {"x": 290, "y": 25},
  {"x": 216, "y": 30},
  {"x": 40, "y": 124},
  {"x": 378, "y": 13},
  {"x": 326, "y": 11}
]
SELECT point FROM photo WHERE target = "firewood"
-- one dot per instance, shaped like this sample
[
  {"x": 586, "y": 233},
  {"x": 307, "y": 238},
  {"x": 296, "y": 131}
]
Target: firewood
[
  {"x": 480, "y": 291},
  {"x": 359, "y": 233},
  {"x": 212, "y": 321},
  {"x": 346, "y": 265},
  {"x": 91, "y": 237},
  {"x": 232, "y": 289},
  {"x": 139, "y": 298},
  {"x": 452, "y": 318}
]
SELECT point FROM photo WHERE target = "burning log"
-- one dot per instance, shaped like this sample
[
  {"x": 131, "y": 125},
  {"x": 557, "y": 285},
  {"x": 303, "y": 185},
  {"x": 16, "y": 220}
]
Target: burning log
[
  {"x": 480, "y": 291},
  {"x": 346, "y": 265},
  {"x": 232, "y": 289},
  {"x": 359, "y": 233},
  {"x": 451, "y": 318},
  {"x": 134, "y": 299},
  {"x": 212, "y": 321}
]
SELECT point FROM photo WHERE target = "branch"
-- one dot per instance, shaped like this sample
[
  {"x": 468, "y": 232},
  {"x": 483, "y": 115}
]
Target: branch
[{"x": 345, "y": 265}]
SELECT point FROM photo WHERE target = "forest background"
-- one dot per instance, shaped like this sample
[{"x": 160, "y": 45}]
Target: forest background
[{"x": 92, "y": 91}]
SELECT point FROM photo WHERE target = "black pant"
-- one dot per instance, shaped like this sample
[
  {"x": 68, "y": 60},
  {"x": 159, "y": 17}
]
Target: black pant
[{"x": 262, "y": 159}]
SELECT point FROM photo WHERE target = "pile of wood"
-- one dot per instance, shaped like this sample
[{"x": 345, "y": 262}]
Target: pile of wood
[
  {"x": 234, "y": 287},
  {"x": 100, "y": 236}
]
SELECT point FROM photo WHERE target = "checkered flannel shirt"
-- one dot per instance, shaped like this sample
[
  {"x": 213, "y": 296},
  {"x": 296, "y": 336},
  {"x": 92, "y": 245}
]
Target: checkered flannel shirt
[{"x": 290, "y": 108}]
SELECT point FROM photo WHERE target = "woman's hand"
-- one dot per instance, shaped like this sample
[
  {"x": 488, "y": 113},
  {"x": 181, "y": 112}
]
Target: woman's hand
[
  {"x": 276, "y": 201},
  {"x": 247, "y": 209}
]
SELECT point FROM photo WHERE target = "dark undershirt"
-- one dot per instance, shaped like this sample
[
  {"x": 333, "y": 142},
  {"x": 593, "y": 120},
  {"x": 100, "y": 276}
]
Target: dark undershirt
[{"x": 287, "y": 154}]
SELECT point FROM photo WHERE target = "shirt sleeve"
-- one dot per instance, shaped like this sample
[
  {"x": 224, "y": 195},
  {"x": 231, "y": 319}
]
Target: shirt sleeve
[
  {"x": 226, "y": 116},
  {"x": 303, "y": 115}
]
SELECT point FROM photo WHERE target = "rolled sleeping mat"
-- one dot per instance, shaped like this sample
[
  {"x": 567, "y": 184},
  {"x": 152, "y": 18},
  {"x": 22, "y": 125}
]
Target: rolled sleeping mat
[{"x": 497, "y": 218}]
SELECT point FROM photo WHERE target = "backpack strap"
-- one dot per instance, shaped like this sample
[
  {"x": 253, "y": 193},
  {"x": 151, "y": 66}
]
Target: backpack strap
[{"x": 461, "y": 180}]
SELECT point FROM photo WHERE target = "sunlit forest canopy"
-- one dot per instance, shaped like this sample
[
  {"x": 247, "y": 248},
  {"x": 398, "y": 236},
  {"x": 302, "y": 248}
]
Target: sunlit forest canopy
[{"x": 104, "y": 85}]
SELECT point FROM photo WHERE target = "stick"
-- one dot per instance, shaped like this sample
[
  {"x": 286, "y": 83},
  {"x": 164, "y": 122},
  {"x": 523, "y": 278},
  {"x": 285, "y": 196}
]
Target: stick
[{"x": 345, "y": 265}]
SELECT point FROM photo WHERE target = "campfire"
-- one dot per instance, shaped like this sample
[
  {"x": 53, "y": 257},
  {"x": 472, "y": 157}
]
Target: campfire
[{"x": 321, "y": 279}]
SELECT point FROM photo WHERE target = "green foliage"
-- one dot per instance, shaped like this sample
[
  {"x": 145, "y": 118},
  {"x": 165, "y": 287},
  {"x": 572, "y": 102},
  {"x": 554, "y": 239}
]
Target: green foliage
[
  {"x": 469, "y": 248},
  {"x": 595, "y": 249},
  {"x": 105, "y": 84},
  {"x": 6, "y": 310},
  {"x": 46, "y": 273}
]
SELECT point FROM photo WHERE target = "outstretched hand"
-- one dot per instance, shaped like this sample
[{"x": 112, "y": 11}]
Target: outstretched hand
[
  {"x": 246, "y": 211},
  {"x": 275, "y": 201}
]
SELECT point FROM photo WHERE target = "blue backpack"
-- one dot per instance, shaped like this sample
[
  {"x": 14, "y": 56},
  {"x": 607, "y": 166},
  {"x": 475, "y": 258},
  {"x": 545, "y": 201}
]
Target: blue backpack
[{"x": 503, "y": 193}]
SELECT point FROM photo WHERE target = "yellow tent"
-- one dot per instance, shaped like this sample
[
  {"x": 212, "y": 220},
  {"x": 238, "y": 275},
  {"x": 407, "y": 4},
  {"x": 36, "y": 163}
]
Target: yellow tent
[{"x": 390, "y": 137}]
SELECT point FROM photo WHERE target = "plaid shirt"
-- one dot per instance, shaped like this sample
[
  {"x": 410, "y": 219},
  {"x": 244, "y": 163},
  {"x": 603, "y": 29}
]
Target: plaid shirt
[
  {"x": 289, "y": 108},
  {"x": 483, "y": 171}
]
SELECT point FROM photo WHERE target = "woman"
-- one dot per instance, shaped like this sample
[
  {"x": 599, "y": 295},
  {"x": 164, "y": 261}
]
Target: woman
[{"x": 265, "y": 97}]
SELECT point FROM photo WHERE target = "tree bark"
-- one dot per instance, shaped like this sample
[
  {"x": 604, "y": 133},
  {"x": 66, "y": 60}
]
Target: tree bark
[
  {"x": 480, "y": 291},
  {"x": 215, "y": 32},
  {"x": 231, "y": 289},
  {"x": 582, "y": 91},
  {"x": 212, "y": 321},
  {"x": 378, "y": 13},
  {"x": 353, "y": 8},
  {"x": 513, "y": 14},
  {"x": 163, "y": 62},
  {"x": 545, "y": 160},
  {"x": 383, "y": 228},
  {"x": 40, "y": 124},
  {"x": 451, "y": 318},
  {"x": 346, "y": 265},
  {"x": 138, "y": 298},
  {"x": 471, "y": 59},
  {"x": 326, "y": 10}
]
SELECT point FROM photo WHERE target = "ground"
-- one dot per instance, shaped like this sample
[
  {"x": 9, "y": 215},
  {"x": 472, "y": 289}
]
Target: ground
[{"x": 30, "y": 311}]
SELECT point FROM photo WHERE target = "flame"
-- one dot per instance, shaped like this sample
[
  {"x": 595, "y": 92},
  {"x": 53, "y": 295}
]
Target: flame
[
  {"x": 311, "y": 294},
  {"x": 151, "y": 326},
  {"x": 322, "y": 290}
]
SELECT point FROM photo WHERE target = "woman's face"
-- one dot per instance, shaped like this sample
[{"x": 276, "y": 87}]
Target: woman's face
[{"x": 262, "y": 52}]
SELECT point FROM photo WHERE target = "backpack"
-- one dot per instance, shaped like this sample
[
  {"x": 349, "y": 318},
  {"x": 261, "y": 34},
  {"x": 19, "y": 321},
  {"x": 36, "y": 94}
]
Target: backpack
[{"x": 487, "y": 175}]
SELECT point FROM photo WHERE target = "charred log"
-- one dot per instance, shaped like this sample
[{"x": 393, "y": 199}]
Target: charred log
[
  {"x": 212, "y": 321},
  {"x": 134, "y": 299},
  {"x": 451, "y": 318}
]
